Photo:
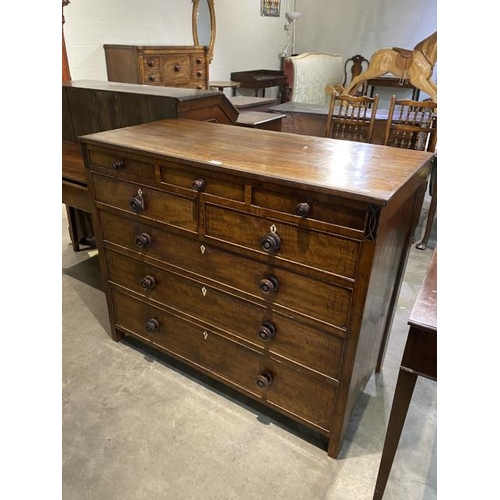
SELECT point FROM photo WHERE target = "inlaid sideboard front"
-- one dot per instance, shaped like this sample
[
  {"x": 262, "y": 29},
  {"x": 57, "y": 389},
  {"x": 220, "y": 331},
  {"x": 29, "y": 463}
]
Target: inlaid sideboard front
[
  {"x": 271, "y": 262},
  {"x": 170, "y": 66}
]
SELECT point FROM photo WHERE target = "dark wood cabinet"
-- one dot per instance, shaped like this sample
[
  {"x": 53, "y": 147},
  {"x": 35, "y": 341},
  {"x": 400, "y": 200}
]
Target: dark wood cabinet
[
  {"x": 270, "y": 261},
  {"x": 168, "y": 66}
]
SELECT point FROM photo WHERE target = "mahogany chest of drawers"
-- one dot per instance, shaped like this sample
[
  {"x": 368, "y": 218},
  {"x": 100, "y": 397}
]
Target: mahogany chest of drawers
[
  {"x": 170, "y": 66},
  {"x": 269, "y": 261}
]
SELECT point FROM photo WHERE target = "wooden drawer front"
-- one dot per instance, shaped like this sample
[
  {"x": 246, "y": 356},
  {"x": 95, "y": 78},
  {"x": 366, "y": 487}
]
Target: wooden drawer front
[
  {"x": 321, "y": 207},
  {"x": 152, "y": 77},
  {"x": 297, "y": 394},
  {"x": 301, "y": 344},
  {"x": 150, "y": 62},
  {"x": 318, "y": 300},
  {"x": 223, "y": 186},
  {"x": 121, "y": 163},
  {"x": 179, "y": 211},
  {"x": 175, "y": 68},
  {"x": 296, "y": 242}
]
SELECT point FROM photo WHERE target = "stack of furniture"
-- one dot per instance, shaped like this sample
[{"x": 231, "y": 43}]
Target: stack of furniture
[
  {"x": 262, "y": 259},
  {"x": 92, "y": 106}
]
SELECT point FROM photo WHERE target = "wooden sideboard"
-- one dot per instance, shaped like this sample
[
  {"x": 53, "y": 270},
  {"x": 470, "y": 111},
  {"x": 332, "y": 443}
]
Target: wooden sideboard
[
  {"x": 90, "y": 106},
  {"x": 270, "y": 261},
  {"x": 170, "y": 66}
]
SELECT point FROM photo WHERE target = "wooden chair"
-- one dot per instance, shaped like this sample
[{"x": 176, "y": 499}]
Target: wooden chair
[
  {"x": 351, "y": 117},
  {"x": 413, "y": 125},
  {"x": 356, "y": 64}
]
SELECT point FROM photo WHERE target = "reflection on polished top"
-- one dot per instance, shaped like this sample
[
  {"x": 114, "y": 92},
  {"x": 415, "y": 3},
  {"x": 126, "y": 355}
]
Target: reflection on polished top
[{"x": 366, "y": 172}]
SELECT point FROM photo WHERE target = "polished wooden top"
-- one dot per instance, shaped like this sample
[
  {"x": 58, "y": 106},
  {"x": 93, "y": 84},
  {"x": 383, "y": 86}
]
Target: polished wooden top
[
  {"x": 149, "y": 90},
  {"x": 366, "y": 172},
  {"x": 424, "y": 312}
]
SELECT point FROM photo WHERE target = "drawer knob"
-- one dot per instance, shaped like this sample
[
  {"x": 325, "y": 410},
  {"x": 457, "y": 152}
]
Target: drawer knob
[
  {"x": 152, "y": 326},
  {"x": 264, "y": 379},
  {"x": 177, "y": 68},
  {"x": 199, "y": 73},
  {"x": 198, "y": 185},
  {"x": 302, "y": 209},
  {"x": 147, "y": 282},
  {"x": 151, "y": 77},
  {"x": 136, "y": 204},
  {"x": 271, "y": 242},
  {"x": 267, "y": 331},
  {"x": 151, "y": 62},
  {"x": 269, "y": 284},
  {"x": 143, "y": 240},
  {"x": 118, "y": 165},
  {"x": 199, "y": 60},
  {"x": 199, "y": 87}
]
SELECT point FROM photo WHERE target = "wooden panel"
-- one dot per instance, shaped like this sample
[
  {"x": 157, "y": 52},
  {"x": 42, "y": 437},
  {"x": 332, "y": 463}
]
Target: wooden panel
[
  {"x": 290, "y": 391},
  {"x": 311, "y": 348}
]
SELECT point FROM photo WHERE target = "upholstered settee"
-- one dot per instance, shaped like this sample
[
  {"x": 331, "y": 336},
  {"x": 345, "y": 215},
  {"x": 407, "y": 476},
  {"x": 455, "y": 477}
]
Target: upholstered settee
[{"x": 309, "y": 73}]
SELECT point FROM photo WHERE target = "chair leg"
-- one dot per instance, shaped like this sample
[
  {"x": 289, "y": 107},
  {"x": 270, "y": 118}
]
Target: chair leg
[{"x": 422, "y": 244}]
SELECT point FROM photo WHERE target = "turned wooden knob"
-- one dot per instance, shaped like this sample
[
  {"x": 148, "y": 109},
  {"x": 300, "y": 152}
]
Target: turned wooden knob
[
  {"x": 199, "y": 60},
  {"x": 198, "y": 185},
  {"x": 177, "y": 68},
  {"x": 199, "y": 73},
  {"x": 152, "y": 326},
  {"x": 267, "y": 331},
  {"x": 151, "y": 77},
  {"x": 136, "y": 204},
  {"x": 271, "y": 242},
  {"x": 264, "y": 379},
  {"x": 302, "y": 209},
  {"x": 147, "y": 282},
  {"x": 269, "y": 284},
  {"x": 199, "y": 87},
  {"x": 117, "y": 164},
  {"x": 143, "y": 240},
  {"x": 151, "y": 62}
]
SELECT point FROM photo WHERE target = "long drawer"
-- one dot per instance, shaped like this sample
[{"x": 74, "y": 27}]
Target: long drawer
[
  {"x": 304, "y": 397},
  {"x": 264, "y": 282},
  {"x": 264, "y": 329}
]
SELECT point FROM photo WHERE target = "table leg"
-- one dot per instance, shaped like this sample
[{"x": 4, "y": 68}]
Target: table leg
[
  {"x": 422, "y": 244},
  {"x": 402, "y": 397}
]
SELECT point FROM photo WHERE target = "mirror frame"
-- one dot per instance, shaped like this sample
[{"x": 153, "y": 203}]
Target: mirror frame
[{"x": 211, "y": 9}]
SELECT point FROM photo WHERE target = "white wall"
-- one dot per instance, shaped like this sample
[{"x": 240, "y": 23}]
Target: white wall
[{"x": 245, "y": 39}]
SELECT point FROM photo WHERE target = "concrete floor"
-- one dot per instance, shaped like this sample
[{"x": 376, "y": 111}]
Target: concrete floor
[{"x": 137, "y": 425}]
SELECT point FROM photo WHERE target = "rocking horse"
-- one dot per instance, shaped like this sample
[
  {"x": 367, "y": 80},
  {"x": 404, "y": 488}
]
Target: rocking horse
[{"x": 414, "y": 65}]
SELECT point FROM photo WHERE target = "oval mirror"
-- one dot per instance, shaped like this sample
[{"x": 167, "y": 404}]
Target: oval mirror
[{"x": 204, "y": 25}]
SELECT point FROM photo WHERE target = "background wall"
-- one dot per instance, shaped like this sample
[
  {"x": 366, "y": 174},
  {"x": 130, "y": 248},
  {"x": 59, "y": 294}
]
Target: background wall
[{"x": 245, "y": 39}]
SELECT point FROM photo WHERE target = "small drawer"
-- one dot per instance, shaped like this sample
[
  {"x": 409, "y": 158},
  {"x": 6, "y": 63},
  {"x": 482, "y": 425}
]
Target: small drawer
[
  {"x": 267, "y": 330},
  {"x": 308, "y": 398},
  {"x": 295, "y": 242},
  {"x": 175, "y": 68},
  {"x": 152, "y": 76},
  {"x": 315, "y": 206},
  {"x": 263, "y": 283},
  {"x": 150, "y": 62},
  {"x": 167, "y": 208},
  {"x": 121, "y": 163},
  {"x": 202, "y": 181}
]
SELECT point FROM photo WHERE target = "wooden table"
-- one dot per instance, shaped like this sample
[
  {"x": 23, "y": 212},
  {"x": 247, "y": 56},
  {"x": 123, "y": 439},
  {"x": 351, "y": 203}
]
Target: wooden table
[
  {"x": 260, "y": 119},
  {"x": 392, "y": 81},
  {"x": 250, "y": 103},
  {"x": 419, "y": 358},
  {"x": 260, "y": 79},
  {"x": 220, "y": 86},
  {"x": 310, "y": 119}
]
